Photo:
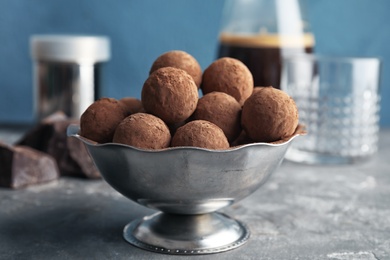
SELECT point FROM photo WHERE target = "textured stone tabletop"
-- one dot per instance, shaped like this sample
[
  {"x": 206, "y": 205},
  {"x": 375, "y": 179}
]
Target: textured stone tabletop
[{"x": 302, "y": 212}]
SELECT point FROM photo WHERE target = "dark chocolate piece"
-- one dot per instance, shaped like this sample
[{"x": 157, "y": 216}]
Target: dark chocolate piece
[
  {"x": 21, "y": 166},
  {"x": 39, "y": 136},
  {"x": 72, "y": 157},
  {"x": 79, "y": 153}
]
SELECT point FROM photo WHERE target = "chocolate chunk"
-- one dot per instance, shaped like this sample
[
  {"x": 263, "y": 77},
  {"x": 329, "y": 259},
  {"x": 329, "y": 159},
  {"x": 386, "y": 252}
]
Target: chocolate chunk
[
  {"x": 72, "y": 157},
  {"x": 78, "y": 152},
  {"x": 21, "y": 166},
  {"x": 39, "y": 136}
]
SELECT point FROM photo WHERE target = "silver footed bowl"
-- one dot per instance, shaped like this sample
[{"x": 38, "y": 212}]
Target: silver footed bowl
[{"x": 187, "y": 185}]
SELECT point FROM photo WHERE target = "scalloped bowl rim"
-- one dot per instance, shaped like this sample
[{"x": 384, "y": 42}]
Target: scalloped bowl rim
[{"x": 73, "y": 130}]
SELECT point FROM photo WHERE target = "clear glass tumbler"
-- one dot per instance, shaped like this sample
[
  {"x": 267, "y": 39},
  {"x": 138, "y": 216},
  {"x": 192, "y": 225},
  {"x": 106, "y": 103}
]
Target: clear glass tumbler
[{"x": 338, "y": 101}]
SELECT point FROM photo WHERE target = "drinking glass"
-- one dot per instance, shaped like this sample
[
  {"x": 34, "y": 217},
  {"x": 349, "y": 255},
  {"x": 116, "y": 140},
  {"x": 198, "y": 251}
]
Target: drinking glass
[{"x": 338, "y": 101}]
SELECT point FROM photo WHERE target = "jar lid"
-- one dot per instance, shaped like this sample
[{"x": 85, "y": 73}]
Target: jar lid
[{"x": 70, "y": 48}]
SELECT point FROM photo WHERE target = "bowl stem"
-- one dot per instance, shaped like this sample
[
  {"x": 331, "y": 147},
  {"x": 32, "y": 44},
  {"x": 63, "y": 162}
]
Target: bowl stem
[{"x": 186, "y": 234}]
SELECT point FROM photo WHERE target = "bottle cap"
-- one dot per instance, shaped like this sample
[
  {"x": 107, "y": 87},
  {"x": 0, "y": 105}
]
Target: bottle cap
[{"x": 70, "y": 48}]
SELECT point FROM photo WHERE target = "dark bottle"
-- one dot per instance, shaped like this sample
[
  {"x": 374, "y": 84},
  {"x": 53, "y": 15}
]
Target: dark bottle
[{"x": 261, "y": 33}]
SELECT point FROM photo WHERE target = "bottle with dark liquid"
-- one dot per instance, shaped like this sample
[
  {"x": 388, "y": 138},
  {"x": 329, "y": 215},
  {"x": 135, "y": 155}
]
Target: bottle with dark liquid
[{"x": 261, "y": 33}]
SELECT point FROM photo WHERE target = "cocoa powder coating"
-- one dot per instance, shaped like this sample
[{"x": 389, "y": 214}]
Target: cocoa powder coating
[
  {"x": 222, "y": 110},
  {"x": 200, "y": 133},
  {"x": 242, "y": 139},
  {"x": 181, "y": 60},
  {"x": 170, "y": 94},
  {"x": 143, "y": 131},
  {"x": 132, "y": 105},
  {"x": 269, "y": 115},
  {"x": 230, "y": 76},
  {"x": 99, "y": 120}
]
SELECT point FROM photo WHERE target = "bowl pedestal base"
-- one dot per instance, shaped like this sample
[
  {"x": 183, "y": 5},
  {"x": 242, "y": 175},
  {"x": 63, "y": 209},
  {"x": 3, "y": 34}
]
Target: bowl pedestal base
[{"x": 186, "y": 234}]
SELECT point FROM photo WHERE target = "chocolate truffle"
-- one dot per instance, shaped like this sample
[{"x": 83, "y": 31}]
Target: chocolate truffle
[
  {"x": 144, "y": 131},
  {"x": 174, "y": 127},
  {"x": 230, "y": 76},
  {"x": 242, "y": 139},
  {"x": 258, "y": 88},
  {"x": 200, "y": 133},
  {"x": 222, "y": 110},
  {"x": 170, "y": 94},
  {"x": 100, "y": 120},
  {"x": 132, "y": 105},
  {"x": 21, "y": 166},
  {"x": 269, "y": 115},
  {"x": 181, "y": 60}
]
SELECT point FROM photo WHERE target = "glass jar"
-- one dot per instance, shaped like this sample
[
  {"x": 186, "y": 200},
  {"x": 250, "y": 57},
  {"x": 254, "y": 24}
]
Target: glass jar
[
  {"x": 261, "y": 33},
  {"x": 67, "y": 70}
]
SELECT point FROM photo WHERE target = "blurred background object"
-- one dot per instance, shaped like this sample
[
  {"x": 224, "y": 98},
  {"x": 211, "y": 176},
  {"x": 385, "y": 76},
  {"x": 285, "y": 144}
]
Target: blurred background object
[
  {"x": 262, "y": 33},
  {"x": 338, "y": 102},
  {"x": 67, "y": 72},
  {"x": 141, "y": 30}
]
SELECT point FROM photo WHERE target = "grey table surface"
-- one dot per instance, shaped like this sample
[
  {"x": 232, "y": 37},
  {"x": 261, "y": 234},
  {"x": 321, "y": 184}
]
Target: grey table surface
[{"x": 302, "y": 212}]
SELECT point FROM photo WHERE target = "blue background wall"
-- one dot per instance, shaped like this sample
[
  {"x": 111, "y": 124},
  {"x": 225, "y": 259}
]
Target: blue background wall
[{"x": 142, "y": 30}]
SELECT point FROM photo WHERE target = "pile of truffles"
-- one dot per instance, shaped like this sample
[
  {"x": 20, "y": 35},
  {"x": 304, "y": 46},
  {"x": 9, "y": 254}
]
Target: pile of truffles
[
  {"x": 231, "y": 112},
  {"x": 170, "y": 113}
]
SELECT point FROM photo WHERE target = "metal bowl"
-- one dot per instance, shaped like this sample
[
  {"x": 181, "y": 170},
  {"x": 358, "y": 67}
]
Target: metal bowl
[{"x": 187, "y": 185}]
